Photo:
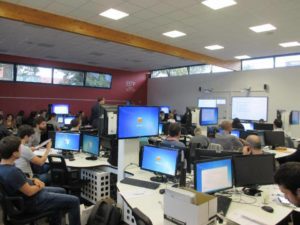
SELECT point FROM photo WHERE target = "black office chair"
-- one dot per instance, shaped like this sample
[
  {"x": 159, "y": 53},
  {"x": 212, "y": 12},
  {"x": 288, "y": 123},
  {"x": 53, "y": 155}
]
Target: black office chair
[
  {"x": 13, "y": 210},
  {"x": 140, "y": 218},
  {"x": 63, "y": 177}
]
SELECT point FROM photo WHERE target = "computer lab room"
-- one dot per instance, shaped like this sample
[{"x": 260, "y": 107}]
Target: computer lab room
[{"x": 148, "y": 112}]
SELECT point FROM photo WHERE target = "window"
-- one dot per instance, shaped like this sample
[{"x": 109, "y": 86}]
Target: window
[
  {"x": 217, "y": 69},
  {"x": 256, "y": 64},
  {"x": 34, "y": 74},
  {"x": 98, "y": 80},
  {"x": 68, "y": 77},
  {"x": 6, "y": 71},
  {"x": 285, "y": 61},
  {"x": 178, "y": 72},
  {"x": 200, "y": 69},
  {"x": 159, "y": 73}
]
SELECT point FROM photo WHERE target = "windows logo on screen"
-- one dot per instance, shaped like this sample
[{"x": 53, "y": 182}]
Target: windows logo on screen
[
  {"x": 67, "y": 141},
  {"x": 139, "y": 119}
]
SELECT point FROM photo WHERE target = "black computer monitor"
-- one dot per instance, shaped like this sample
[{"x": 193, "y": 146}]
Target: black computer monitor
[
  {"x": 274, "y": 138},
  {"x": 137, "y": 121},
  {"x": 213, "y": 175},
  {"x": 165, "y": 109},
  {"x": 235, "y": 133},
  {"x": 253, "y": 170},
  {"x": 61, "y": 109},
  {"x": 263, "y": 126},
  {"x": 201, "y": 154},
  {"x": 294, "y": 117},
  {"x": 67, "y": 141},
  {"x": 68, "y": 119},
  {"x": 160, "y": 160},
  {"x": 208, "y": 116},
  {"x": 91, "y": 145}
]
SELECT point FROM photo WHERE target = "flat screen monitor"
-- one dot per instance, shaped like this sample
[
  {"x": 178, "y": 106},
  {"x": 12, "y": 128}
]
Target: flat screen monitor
[
  {"x": 60, "y": 119},
  {"x": 235, "y": 133},
  {"x": 207, "y": 103},
  {"x": 213, "y": 175},
  {"x": 252, "y": 170},
  {"x": 159, "y": 160},
  {"x": 208, "y": 116},
  {"x": 91, "y": 144},
  {"x": 68, "y": 119},
  {"x": 263, "y": 126},
  {"x": 274, "y": 138},
  {"x": 137, "y": 121},
  {"x": 160, "y": 128},
  {"x": 201, "y": 154},
  {"x": 248, "y": 125},
  {"x": 294, "y": 117},
  {"x": 165, "y": 109},
  {"x": 61, "y": 109},
  {"x": 67, "y": 141},
  {"x": 178, "y": 118},
  {"x": 250, "y": 108}
]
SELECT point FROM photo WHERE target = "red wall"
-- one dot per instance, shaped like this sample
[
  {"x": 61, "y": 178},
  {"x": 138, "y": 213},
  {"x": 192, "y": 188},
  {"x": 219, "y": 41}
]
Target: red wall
[{"x": 27, "y": 96}]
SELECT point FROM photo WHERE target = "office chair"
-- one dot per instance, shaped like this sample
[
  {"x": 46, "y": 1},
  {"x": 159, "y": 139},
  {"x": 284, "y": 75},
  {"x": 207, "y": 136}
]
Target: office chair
[
  {"x": 63, "y": 177},
  {"x": 13, "y": 210},
  {"x": 140, "y": 218}
]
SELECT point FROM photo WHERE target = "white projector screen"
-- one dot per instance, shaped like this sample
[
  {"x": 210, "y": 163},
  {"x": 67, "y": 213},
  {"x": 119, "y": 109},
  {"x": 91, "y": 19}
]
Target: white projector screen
[{"x": 250, "y": 108}]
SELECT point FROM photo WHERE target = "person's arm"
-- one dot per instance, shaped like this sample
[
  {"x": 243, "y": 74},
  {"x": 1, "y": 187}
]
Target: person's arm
[
  {"x": 30, "y": 190},
  {"x": 41, "y": 160}
]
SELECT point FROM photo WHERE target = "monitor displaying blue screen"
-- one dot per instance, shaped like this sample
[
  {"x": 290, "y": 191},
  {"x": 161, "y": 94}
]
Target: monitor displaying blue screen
[
  {"x": 90, "y": 144},
  {"x": 248, "y": 126},
  {"x": 160, "y": 160},
  {"x": 60, "y": 109},
  {"x": 137, "y": 121},
  {"x": 160, "y": 128},
  {"x": 68, "y": 119},
  {"x": 294, "y": 117},
  {"x": 165, "y": 109},
  {"x": 235, "y": 133},
  {"x": 60, "y": 119},
  {"x": 213, "y": 175},
  {"x": 67, "y": 141},
  {"x": 208, "y": 116}
]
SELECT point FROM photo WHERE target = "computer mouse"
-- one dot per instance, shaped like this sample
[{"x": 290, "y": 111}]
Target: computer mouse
[
  {"x": 267, "y": 208},
  {"x": 162, "y": 191}
]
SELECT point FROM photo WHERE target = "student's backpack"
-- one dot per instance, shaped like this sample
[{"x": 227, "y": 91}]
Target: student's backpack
[{"x": 105, "y": 213}]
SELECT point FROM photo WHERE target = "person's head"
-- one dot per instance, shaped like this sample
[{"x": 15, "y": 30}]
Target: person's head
[
  {"x": 261, "y": 121},
  {"x": 33, "y": 114},
  {"x": 43, "y": 113},
  {"x": 101, "y": 100},
  {"x": 197, "y": 131},
  {"x": 25, "y": 132},
  {"x": 288, "y": 179},
  {"x": 226, "y": 126},
  {"x": 277, "y": 123},
  {"x": 9, "y": 117},
  {"x": 174, "y": 130},
  {"x": 1, "y": 112},
  {"x": 171, "y": 116},
  {"x": 21, "y": 113},
  {"x": 40, "y": 123},
  {"x": 235, "y": 122},
  {"x": 253, "y": 146},
  {"x": 75, "y": 123},
  {"x": 81, "y": 113},
  {"x": 53, "y": 116},
  {"x": 9, "y": 147}
]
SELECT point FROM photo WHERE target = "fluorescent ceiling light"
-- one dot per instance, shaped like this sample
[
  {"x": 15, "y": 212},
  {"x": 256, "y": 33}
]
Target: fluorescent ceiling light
[
  {"x": 174, "y": 34},
  {"x": 290, "y": 44},
  {"x": 218, "y": 4},
  {"x": 214, "y": 47},
  {"x": 263, "y": 28},
  {"x": 114, "y": 14},
  {"x": 242, "y": 57}
]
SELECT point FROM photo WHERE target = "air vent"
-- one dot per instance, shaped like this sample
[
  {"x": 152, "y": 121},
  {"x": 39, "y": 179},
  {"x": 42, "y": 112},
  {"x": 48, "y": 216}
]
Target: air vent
[{"x": 45, "y": 45}]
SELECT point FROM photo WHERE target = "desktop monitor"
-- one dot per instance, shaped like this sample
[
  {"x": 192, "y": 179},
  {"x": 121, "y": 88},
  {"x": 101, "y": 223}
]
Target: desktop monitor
[
  {"x": 67, "y": 141},
  {"x": 178, "y": 118},
  {"x": 274, "y": 138},
  {"x": 137, "y": 121},
  {"x": 160, "y": 160},
  {"x": 213, "y": 175},
  {"x": 201, "y": 154},
  {"x": 160, "y": 129},
  {"x": 263, "y": 126},
  {"x": 165, "y": 109},
  {"x": 235, "y": 133},
  {"x": 294, "y": 117},
  {"x": 208, "y": 116},
  {"x": 91, "y": 145},
  {"x": 253, "y": 170},
  {"x": 61, "y": 109},
  {"x": 60, "y": 119},
  {"x": 68, "y": 119},
  {"x": 248, "y": 125}
]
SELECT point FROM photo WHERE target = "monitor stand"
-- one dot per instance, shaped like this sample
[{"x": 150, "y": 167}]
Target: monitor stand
[
  {"x": 159, "y": 179},
  {"x": 252, "y": 191},
  {"x": 91, "y": 158}
]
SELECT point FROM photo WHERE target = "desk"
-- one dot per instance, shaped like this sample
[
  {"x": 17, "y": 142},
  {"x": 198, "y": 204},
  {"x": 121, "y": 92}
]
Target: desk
[
  {"x": 280, "y": 154},
  {"x": 150, "y": 202}
]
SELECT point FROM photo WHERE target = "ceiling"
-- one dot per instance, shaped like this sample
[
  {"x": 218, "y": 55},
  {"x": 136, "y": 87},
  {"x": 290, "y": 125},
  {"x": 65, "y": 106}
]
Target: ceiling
[{"x": 228, "y": 27}]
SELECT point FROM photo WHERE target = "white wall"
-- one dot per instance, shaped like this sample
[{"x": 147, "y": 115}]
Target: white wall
[{"x": 179, "y": 92}]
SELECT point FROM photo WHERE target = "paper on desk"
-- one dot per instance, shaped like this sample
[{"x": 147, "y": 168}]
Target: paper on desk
[
  {"x": 136, "y": 193},
  {"x": 246, "y": 218}
]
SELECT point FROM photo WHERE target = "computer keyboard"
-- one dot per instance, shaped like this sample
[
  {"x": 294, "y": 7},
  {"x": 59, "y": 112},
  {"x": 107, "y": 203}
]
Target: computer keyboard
[
  {"x": 223, "y": 204},
  {"x": 140, "y": 183}
]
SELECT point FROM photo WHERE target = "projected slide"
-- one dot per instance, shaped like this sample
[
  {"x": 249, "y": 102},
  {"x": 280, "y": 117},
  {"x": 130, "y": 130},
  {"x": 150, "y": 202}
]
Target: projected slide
[
  {"x": 67, "y": 141},
  {"x": 160, "y": 160},
  {"x": 60, "y": 109},
  {"x": 250, "y": 108}
]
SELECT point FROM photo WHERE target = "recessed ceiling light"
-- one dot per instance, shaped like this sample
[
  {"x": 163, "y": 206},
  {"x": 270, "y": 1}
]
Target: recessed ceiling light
[
  {"x": 242, "y": 57},
  {"x": 174, "y": 34},
  {"x": 214, "y": 47},
  {"x": 263, "y": 28},
  {"x": 218, "y": 4},
  {"x": 114, "y": 14},
  {"x": 290, "y": 44}
]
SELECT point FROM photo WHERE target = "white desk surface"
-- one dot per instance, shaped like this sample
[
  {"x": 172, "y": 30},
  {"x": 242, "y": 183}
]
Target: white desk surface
[
  {"x": 150, "y": 202},
  {"x": 80, "y": 161},
  {"x": 279, "y": 154}
]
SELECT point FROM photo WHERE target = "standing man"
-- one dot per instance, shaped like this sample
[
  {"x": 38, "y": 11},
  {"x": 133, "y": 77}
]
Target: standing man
[{"x": 97, "y": 112}]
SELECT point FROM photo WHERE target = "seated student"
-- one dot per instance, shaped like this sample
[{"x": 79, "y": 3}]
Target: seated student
[
  {"x": 83, "y": 118},
  {"x": 253, "y": 146},
  {"x": 277, "y": 126},
  {"x": 40, "y": 127},
  {"x": 161, "y": 116},
  {"x": 25, "y": 132},
  {"x": 173, "y": 138},
  {"x": 288, "y": 179},
  {"x": 199, "y": 139},
  {"x": 236, "y": 124},
  {"x": 3, "y": 130},
  {"x": 37, "y": 197},
  {"x": 75, "y": 125},
  {"x": 224, "y": 138},
  {"x": 53, "y": 122},
  {"x": 10, "y": 123},
  {"x": 171, "y": 118}
]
